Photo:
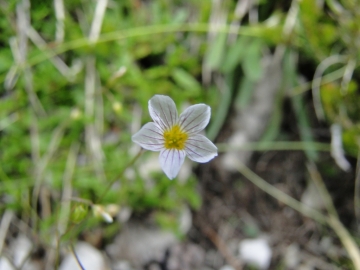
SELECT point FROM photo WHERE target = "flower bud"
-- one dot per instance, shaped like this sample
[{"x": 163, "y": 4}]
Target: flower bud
[
  {"x": 79, "y": 213},
  {"x": 75, "y": 114},
  {"x": 117, "y": 106},
  {"x": 100, "y": 212}
]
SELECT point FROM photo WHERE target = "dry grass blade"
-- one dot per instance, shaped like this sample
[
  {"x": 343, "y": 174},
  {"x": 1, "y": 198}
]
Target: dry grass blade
[
  {"x": 67, "y": 190},
  {"x": 60, "y": 18},
  {"x": 23, "y": 22},
  {"x": 65, "y": 205},
  {"x": 281, "y": 196},
  {"x": 42, "y": 163},
  {"x": 92, "y": 134},
  {"x": 4, "y": 226},
  {"x": 349, "y": 70},
  {"x": 325, "y": 196},
  {"x": 98, "y": 19},
  {"x": 332, "y": 220},
  {"x": 93, "y": 96},
  {"x": 332, "y": 76},
  {"x": 56, "y": 60},
  {"x": 316, "y": 83}
]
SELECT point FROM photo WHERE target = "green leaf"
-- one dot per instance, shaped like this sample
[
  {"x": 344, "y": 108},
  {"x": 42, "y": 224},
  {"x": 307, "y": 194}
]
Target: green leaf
[
  {"x": 185, "y": 80},
  {"x": 235, "y": 54},
  {"x": 222, "y": 110},
  {"x": 303, "y": 120},
  {"x": 252, "y": 61},
  {"x": 216, "y": 52},
  {"x": 245, "y": 93},
  {"x": 180, "y": 16},
  {"x": 5, "y": 59}
]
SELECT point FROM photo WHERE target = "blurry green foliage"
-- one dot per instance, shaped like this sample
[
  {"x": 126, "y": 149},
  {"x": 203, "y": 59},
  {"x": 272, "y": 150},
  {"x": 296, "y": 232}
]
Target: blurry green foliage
[
  {"x": 335, "y": 33},
  {"x": 78, "y": 213},
  {"x": 318, "y": 30},
  {"x": 164, "y": 62},
  {"x": 155, "y": 64},
  {"x": 344, "y": 108}
]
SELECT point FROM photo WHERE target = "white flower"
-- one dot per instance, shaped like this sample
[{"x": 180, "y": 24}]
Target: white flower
[{"x": 174, "y": 136}]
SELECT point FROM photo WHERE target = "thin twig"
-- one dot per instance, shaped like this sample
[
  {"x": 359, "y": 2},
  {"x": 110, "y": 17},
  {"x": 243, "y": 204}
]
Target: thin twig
[
  {"x": 221, "y": 246},
  {"x": 76, "y": 257}
]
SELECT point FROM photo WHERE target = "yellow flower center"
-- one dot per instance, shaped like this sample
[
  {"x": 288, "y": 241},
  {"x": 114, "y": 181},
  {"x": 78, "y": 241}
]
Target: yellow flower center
[{"x": 175, "y": 138}]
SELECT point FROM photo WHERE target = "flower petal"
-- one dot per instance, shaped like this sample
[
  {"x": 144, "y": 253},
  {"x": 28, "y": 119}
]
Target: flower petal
[
  {"x": 149, "y": 137},
  {"x": 200, "y": 149},
  {"x": 171, "y": 161},
  {"x": 195, "y": 118},
  {"x": 163, "y": 111}
]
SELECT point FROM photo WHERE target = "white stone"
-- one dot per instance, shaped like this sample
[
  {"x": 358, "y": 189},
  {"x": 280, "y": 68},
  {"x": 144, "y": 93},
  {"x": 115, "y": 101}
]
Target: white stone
[
  {"x": 292, "y": 256},
  {"x": 149, "y": 165},
  {"x": 311, "y": 197},
  {"x": 185, "y": 220},
  {"x": 5, "y": 264},
  {"x": 90, "y": 258},
  {"x": 227, "y": 267},
  {"x": 139, "y": 244},
  {"x": 21, "y": 249},
  {"x": 122, "y": 265},
  {"x": 256, "y": 252}
]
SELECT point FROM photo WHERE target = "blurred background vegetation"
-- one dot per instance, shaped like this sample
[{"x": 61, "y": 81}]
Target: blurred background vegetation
[{"x": 76, "y": 77}]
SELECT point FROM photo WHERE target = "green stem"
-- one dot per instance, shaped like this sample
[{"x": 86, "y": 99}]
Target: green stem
[
  {"x": 274, "y": 146},
  {"x": 110, "y": 184},
  {"x": 281, "y": 196},
  {"x": 138, "y": 32}
]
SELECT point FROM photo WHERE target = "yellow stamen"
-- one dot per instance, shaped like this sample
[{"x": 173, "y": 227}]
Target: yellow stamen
[{"x": 175, "y": 138}]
